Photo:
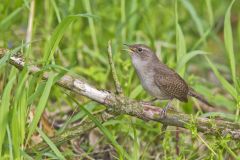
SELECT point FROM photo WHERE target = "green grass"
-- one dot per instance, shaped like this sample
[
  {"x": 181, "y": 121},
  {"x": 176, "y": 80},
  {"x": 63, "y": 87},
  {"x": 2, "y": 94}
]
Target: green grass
[
  {"x": 41, "y": 105},
  {"x": 120, "y": 150},
  {"x": 228, "y": 39},
  {"x": 4, "y": 110},
  {"x": 51, "y": 144},
  {"x": 200, "y": 40}
]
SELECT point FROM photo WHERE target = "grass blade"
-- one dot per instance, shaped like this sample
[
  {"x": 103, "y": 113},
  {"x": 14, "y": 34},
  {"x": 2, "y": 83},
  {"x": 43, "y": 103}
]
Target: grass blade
[
  {"x": 51, "y": 144},
  {"x": 19, "y": 113},
  {"x": 210, "y": 12},
  {"x": 187, "y": 57},
  {"x": 4, "y": 110},
  {"x": 180, "y": 42},
  {"x": 206, "y": 144},
  {"x": 92, "y": 26},
  {"x": 10, "y": 143},
  {"x": 194, "y": 15},
  {"x": 226, "y": 85},
  {"x": 56, "y": 10},
  {"x": 228, "y": 39},
  {"x": 41, "y": 105},
  {"x": 136, "y": 146},
  {"x": 56, "y": 37},
  {"x": 4, "y": 24},
  {"x": 58, "y": 34}
]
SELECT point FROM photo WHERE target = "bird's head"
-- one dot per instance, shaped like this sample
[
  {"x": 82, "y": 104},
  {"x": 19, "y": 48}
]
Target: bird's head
[{"x": 140, "y": 52}]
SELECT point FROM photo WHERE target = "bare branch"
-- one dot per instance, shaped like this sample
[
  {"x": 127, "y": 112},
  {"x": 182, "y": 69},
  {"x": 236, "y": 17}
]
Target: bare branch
[{"x": 124, "y": 105}]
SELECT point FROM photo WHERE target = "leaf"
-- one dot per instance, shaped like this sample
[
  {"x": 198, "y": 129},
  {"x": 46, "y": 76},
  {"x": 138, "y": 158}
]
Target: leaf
[
  {"x": 228, "y": 39},
  {"x": 194, "y": 15},
  {"x": 183, "y": 61},
  {"x": 19, "y": 113},
  {"x": 180, "y": 42},
  {"x": 51, "y": 144},
  {"x": 223, "y": 81},
  {"x": 136, "y": 91},
  {"x": 228, "y": 116},
  {"x": 4, "y": 110},
  {"x": 41, "y": 105},
  {"x": 181, "y": 46},
  {"x": 58, "y": 34},
  {"x": 4, "y": 24}
]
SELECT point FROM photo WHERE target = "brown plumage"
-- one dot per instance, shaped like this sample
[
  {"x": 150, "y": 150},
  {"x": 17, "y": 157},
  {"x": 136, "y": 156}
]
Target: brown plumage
[
  {"x": 157, "y": 78},
  {"x": 172, "y": 85}
]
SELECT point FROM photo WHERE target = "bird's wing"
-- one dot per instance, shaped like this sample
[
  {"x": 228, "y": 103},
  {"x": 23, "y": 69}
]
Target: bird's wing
[{"x": 171, "y": 84}]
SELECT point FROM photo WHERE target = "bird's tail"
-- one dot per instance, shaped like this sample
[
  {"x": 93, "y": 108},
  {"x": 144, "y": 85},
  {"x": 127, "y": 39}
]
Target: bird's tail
[{"x": 194, "y": 94}]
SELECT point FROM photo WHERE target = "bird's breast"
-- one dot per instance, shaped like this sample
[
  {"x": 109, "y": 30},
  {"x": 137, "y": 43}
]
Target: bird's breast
[{"x": 146, "y": 76}]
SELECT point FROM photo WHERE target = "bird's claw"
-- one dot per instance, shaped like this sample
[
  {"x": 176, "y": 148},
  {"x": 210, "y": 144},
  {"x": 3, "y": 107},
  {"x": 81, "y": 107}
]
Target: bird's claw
[{"x": 163, "y": 113}]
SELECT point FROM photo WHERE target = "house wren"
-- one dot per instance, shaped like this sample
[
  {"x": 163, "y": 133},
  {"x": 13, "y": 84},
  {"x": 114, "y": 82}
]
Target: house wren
[{"x": 158, "y": 79}]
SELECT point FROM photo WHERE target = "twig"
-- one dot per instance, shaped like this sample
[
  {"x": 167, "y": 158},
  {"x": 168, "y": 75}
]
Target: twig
[
  {"x": 30, "y": 23},
  {"x": 114, "y": 74},
  {"x": 124, "y": 105}
]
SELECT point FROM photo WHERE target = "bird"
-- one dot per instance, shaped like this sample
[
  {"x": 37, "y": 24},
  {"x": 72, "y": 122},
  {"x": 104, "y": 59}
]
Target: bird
[{"x": 158, "y": 79}]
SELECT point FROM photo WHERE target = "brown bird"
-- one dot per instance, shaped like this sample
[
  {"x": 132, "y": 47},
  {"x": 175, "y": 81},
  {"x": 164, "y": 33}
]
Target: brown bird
[{"x": 158, "y": 79}]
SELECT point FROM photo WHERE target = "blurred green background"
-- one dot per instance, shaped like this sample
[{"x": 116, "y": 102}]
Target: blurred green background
[{"x": 200, "y": 39}]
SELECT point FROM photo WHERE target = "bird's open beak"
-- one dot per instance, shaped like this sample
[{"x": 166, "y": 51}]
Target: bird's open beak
[{"x": 130, "y": 49}]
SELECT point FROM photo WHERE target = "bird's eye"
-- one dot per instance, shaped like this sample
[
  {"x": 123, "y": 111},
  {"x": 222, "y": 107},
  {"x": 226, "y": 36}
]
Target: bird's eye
[{"x": 139, "y": 49}]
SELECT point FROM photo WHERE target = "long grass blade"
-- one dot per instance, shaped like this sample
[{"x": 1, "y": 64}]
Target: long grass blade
[
  {"x": 231, "y": 90},
  {"x": 41, "y": 105},
  {"x": 187, "y": 4},
  {"x": 92, "y": 26},
  {"x": 180, "y": 42},
  {"x": 51, "y": 144},
  {"x": 9, "y": 19},
  {"x": 228, "y": 39},
  {"x": 183, "y": 61},
  {"x": 19, "y": 113},
  {"x": 10, "y": 146},
  {"x": 4, "y": 110},
  {"x": 58, "y": 34}
]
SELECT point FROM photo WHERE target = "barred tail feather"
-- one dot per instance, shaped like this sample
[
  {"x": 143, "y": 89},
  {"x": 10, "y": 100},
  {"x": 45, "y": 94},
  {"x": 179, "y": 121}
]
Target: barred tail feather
[{"x": 198, "y": 96}]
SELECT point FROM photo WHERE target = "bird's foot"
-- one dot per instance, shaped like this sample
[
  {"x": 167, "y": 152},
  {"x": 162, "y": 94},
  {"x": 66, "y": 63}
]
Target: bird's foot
[{"x": 163, "y": 113}]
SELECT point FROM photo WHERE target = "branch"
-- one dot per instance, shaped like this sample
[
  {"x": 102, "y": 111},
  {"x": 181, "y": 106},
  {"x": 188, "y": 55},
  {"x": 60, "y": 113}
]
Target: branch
[{"x": 124, "y": 105}]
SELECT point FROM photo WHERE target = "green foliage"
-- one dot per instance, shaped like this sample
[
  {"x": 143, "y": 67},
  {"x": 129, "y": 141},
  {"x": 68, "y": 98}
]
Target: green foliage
[
  {"x": 105, "y": 131},
  {"x": 51, "y": 144},
  {"x": 4, "y": 110},
  {"x": 57, "y": 35},
  {"x": 198, "y": 39},
  {"x": 41, "y": 105},
  {"x": 228, "y": 39}
]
